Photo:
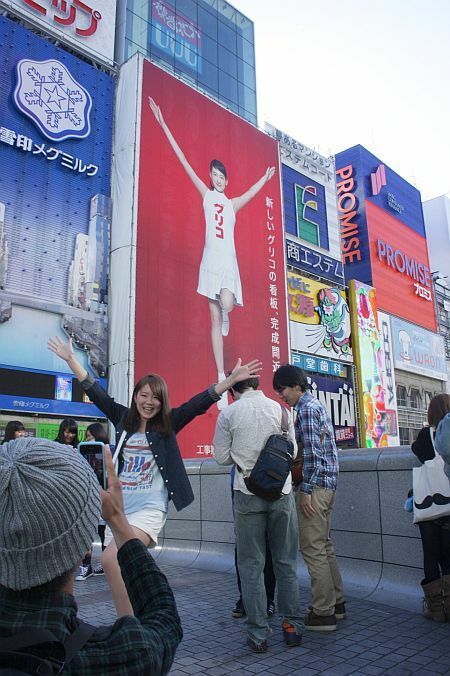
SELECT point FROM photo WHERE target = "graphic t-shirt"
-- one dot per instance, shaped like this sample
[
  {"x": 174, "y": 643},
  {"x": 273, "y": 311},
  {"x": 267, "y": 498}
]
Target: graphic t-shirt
[{"x": 142, "y": 483}]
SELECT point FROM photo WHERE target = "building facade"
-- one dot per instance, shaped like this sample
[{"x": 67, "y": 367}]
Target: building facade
[{"x": 207, "y": 43}]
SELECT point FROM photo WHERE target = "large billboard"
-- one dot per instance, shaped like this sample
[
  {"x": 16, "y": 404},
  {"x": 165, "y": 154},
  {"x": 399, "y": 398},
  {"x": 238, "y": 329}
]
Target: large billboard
[
  {"x": 417, "y": 350},
  {"x": 209, "y": 281},
  {"x": 376, "y": 425},
  {"x": 319, "y": 318},
  {"x": 383, "y": 236},
  {"x": 87, "y": 27},
  {"x": 55, "y": 140}
]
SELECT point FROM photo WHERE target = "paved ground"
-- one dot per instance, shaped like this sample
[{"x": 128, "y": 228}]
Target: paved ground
[{"x": 374, "y": 639}]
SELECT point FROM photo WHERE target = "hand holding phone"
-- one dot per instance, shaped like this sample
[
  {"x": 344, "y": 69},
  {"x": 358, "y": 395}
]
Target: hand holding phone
[{"x": 94, "y": 453}]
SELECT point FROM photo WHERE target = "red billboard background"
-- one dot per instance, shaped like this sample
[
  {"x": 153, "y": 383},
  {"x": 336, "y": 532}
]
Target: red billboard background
[
  {"x": 395, "y": 290},
  {"x": 173, "y": 325}
]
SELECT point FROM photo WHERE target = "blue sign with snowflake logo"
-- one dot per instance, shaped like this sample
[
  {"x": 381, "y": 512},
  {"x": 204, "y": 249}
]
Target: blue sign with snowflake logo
[{"x": 48, "y": 94}]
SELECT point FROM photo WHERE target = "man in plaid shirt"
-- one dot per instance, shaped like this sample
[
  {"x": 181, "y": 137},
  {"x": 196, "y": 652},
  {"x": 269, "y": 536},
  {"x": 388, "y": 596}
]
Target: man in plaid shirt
[
  {"x": 315, "y": 497},
  {"x": 51, "y": 497}
]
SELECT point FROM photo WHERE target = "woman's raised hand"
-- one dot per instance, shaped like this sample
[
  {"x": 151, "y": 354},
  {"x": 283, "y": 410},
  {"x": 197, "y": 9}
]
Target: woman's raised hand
[
  {"x": 243, "y": 371},
  {"x": 156, "y": 110},
  {"x": 63, "y": 350},
  {"x": 270, "y": 171}
]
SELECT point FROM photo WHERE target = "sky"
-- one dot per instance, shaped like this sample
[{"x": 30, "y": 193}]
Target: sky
[{"x": 374, "y": 72}]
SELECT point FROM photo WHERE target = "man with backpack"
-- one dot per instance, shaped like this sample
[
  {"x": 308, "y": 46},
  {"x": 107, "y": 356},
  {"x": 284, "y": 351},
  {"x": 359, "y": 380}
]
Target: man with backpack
[
  {"x": 50, "y": 502},
  {"x": 242, "y": 431},
  {"x": 315, "y": 497}
]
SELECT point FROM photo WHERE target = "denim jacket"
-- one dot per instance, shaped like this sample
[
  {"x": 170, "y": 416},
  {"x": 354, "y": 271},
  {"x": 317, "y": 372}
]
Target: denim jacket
[{"x": 166, "y": 451}]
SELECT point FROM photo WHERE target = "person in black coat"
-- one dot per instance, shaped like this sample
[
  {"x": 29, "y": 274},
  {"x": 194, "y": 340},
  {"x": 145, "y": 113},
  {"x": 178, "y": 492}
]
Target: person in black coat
[
  {"x": 435, "y": 534},
  {"x": 150, "y": 466}
]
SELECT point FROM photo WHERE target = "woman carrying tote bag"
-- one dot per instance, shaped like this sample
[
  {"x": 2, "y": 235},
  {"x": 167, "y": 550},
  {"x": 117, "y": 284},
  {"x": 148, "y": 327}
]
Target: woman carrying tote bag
[{"x": 431, "y": 489}]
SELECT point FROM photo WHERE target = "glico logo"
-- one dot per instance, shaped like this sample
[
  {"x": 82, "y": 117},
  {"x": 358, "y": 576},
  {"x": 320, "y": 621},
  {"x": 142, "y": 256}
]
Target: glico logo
[
  {"x": 58, "y": 105},
  {"x": 348, "y": 211}
]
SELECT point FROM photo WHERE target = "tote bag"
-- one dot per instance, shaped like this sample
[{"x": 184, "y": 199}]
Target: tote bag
[{"x": 431, "y": 489}]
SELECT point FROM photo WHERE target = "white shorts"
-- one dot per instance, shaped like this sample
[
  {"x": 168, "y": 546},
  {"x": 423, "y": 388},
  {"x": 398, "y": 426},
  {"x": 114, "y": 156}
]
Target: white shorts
[{"x": 151, "y": 521}]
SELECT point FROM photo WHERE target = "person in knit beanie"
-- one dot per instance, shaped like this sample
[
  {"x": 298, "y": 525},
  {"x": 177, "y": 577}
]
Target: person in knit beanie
[
  {"x": 50, "y": 503},
  {"x": 50, "y": 506}
]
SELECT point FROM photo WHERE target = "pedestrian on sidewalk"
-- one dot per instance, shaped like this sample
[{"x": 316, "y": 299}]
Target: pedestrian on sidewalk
[
  {"x": 435, "y": 533},
  {"x": 315, "y": 497},
  {"x": 242, "y": 430},
  {"x": 51, "y": 500},
  {"x": 150, "y": 466}
]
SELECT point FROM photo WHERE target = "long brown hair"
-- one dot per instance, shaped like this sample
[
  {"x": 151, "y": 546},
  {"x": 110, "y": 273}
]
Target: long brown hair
[
  {"x": 438, "y": 409},
  {"x": 161, "y": 422}
]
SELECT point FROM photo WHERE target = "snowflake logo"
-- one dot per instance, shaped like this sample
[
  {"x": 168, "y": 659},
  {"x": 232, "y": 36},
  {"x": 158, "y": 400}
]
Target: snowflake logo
[{"x": 48, "y": 94}]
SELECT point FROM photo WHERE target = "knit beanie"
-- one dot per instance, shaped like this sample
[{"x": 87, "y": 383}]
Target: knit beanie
[{"x": 49, "y": 511}]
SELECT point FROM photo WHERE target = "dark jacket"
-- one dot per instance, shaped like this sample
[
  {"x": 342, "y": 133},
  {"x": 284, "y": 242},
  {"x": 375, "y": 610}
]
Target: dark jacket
[
  {"x": 142, "y": 645},
  {"x": 167, "y": 454}
]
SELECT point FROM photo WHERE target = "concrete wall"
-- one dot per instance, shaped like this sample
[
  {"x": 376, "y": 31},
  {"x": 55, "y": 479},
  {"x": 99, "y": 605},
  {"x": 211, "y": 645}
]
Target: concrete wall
[{"x": 378, "y": 546}]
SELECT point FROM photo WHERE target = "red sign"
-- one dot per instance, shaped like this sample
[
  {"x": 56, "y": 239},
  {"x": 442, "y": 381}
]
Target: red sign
[
  {"x": 210, "y": 279},
  {"x": 400, "y": 268}
]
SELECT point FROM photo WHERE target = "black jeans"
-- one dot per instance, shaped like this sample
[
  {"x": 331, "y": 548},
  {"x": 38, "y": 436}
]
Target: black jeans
[{"x": 436, "y": 548}]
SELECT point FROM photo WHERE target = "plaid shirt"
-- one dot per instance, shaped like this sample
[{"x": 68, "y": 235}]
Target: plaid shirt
[
  {"x": 320, "y": 459},
  {"x": 132, "y": 646}
]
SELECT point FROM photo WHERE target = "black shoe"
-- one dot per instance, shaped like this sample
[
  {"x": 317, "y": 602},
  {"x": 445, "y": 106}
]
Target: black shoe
[
  {"x": 291, "y": 638},
  {"x": 270, "y": 609},
  {"x": 238, "y": 610},
  {"x": 257, "y": 647},
  {"x": 315, "y": 622},
  {"x": 339, "y": 611}
]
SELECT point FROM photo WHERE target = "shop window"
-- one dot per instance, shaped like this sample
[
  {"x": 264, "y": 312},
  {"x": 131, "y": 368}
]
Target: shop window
[
  {"x": 415, "y": 398},
  {"x": 401, "y": 396},
  {"x": 428, "y": 396}
]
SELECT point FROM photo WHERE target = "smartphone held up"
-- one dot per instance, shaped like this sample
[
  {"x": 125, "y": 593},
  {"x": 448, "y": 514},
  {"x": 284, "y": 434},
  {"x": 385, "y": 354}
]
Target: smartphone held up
[{"x": 94, "y": 453}]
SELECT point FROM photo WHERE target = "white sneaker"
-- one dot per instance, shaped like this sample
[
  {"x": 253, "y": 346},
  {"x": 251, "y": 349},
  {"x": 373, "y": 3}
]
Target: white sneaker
[
  {"x": 223, "y": 401},
  {"x": 84, "y": 573},
  {"x": 225, "y": 323}
]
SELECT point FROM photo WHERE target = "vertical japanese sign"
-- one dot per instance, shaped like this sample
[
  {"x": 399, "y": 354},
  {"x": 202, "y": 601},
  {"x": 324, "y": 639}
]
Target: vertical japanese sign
[
  {"x": 384, "y": 326},
  {"x": 210, "y": 262},
  {"x": 55, "y": 139},
  {"x": 370, "y": 364}
]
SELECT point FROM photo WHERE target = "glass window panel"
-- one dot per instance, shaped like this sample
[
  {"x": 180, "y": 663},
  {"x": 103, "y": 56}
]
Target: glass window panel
[
  {"x": 246, "y": 51},
  {"x": 209, "y": 49},
  {"x": 207, "y": 22},
  {"x": 228, "y": 88},
  {"x": 246, "y": 74},
  {"x": 227, "y": 37},
  {"x": 245, "y": 27},
  {"x": 229, "y": 104},
  {"x": 227, "y": 62},
  {"x": 209, "y": 77},
  {"x": 247, "y": 98},
  {"x": 187, "y": 8}
]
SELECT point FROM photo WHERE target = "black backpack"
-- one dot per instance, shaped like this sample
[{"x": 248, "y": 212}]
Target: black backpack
[
  {"x": 13, "y": 662},
  {"x": 273, "y": 466}
]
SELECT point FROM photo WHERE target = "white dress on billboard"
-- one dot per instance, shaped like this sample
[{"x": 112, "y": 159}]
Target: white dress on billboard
[{"x": 219, "y": 267}]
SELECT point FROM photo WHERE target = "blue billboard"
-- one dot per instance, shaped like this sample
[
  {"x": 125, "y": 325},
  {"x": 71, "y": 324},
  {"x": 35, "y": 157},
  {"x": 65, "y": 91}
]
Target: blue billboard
[
  {"x": 56, "y": 115},
  {"x": 305, "y": 208}
]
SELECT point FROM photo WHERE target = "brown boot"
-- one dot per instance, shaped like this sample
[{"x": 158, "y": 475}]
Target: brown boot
[
  {"x": 446, "y": 593},
  {"x": 433, "y": 604}
]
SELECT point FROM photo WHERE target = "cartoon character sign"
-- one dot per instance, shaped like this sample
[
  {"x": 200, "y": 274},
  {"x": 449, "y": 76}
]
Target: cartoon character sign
[{"x": 320, "y": 318}]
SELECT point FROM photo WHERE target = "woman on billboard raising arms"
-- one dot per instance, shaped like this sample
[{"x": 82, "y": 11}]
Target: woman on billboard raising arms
[
  {"x": 150, "y": 466},
  {"x": 219, "y": 278}
]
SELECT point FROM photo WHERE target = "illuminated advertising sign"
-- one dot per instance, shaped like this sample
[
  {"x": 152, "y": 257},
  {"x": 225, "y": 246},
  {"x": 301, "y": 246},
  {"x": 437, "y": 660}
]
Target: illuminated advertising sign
[
  {"x": 209, "y": 283},
  {"x": 370, "y": 366},
  {"x": 85, "y": 26},
  {"x": 176, "y": 36},
  {"x": 338, "y": 398},
  {"x": 384, "y": 327},
  {"x": 417, "y": 350},
  {"x": 320, "y": 321},
  {"x": 55, "y": 139},
  {"x": 318, "y": 365},
  {"x": 400, "y": 261},
  {"x": 309, "y": 260}
]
